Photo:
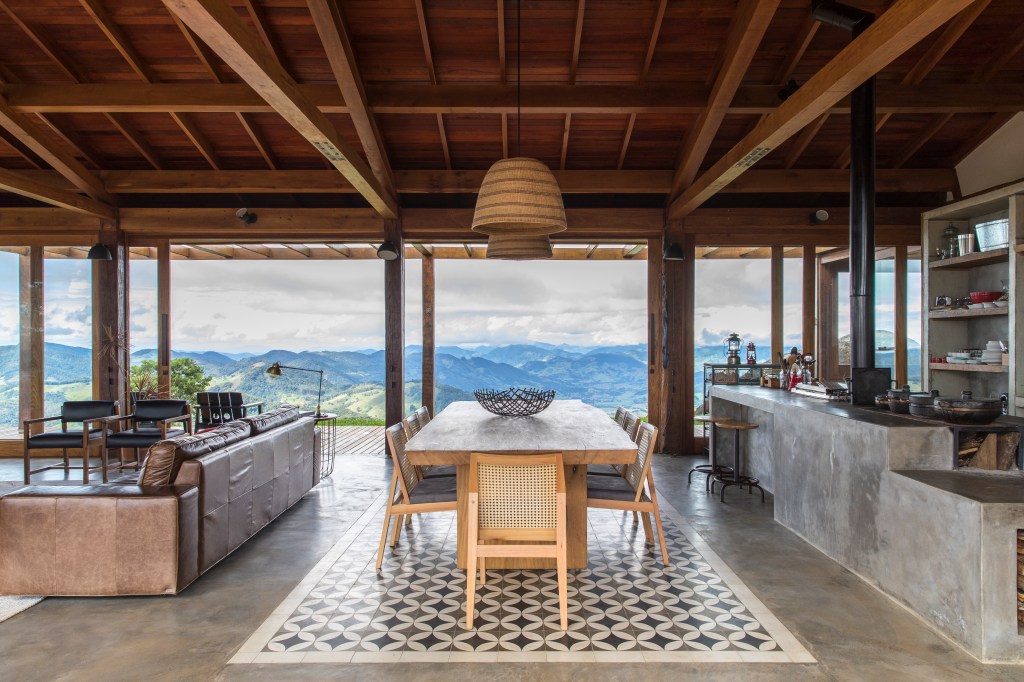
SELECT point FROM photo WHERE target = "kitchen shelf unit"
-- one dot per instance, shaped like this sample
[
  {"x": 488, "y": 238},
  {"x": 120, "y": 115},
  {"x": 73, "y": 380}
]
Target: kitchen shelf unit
[{"x": 956, "y": 329}]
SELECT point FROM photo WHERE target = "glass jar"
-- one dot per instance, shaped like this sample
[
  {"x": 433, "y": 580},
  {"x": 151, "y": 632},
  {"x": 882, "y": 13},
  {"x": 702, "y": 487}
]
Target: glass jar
[{"x": 949, "y": 241}]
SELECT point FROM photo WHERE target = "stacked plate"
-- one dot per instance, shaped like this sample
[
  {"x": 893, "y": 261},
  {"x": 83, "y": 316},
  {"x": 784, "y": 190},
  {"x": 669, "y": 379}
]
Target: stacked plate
[{"x": 992, "y": 355}]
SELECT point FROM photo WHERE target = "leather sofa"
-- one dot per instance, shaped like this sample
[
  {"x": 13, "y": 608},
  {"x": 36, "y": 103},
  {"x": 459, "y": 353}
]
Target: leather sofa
[{"x": 196, "y": 499}]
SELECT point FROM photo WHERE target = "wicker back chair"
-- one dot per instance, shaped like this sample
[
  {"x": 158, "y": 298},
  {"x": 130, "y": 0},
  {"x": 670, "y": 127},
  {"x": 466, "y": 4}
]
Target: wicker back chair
[
  {"x": 423, "y": 416},
  {"x": 516, "y": 509},
  {"x": 408, "y": 493},
  {"x": 630, "y": 424},
  {"x": 620, "y": 415},
  {"x": 628, "y": 493}
]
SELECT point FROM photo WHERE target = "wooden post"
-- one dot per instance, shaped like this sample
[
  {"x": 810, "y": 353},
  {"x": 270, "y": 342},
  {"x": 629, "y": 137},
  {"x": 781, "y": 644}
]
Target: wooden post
[
  {"x": 656, "y": 333},
  {"x": 900, "y": 315},
  {"x": 428, "y": 333},
  {"x": 828, "y": 323},
  {"x": 809, "y": 300},
  {"x": 777, "y": 302},
  {"x": 163, "y": 306},
  {"x": 110, "y": 319},
  {"x": 677, "y": 434},
  {"x": 31, "y": 329},
  {"x": 394, "y": 326}
]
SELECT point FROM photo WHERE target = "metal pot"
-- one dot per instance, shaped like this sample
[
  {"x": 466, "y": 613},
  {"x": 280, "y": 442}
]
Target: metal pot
[
  {"x": 922, "y": 404},
  {"x": 967, "y": 409},
  {"x": 882, "y": 400},
  {"x": 899, "y": 399}
]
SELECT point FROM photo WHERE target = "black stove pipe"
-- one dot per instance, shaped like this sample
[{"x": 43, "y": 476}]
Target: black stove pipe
[{"x": 862, "y": 203}]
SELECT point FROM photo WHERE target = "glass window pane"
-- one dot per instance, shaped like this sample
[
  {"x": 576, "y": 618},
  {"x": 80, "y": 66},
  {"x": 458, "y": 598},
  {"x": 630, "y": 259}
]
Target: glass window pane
[
  {"x": 67, "y": 353},
  {"x": 792, "y": 301},
  {"x": 10, "y": 265}
]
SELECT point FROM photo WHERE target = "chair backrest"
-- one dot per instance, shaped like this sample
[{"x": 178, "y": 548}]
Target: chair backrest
[
  {"x": 218, "y": 407},
  {"x": 423, "y": 416},
  {"x": 637, "y": 471},
  {"x": 517, "y": 491},
  {"x": 82, "y": 410},
  {"x": 159, "y": 408},
  {"x": 397, "y": 438},
  {"x": 412, "y": 425},
  {"x": 620, "y": 415},
  {"x": 630, "y": 423}
]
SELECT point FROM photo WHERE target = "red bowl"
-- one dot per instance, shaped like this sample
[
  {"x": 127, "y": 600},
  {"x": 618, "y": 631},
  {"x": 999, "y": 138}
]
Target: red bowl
[{"x": 985, "y": 296}]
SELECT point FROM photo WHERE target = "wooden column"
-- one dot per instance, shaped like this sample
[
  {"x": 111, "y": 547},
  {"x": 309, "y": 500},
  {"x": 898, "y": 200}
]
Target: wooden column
[
  {"x": 656, "y": 358},
  {"x": 31, "y": 329},
  {"x": 428, "y": 332},
  {"x": 899, "y": 292},
  {"x": 394, "y": 326},
  {"x": 110, "y": 319},
  {"x": 828, "y": 323},
  {"x": 677, "y": 432},
  {"x": 777, "y": 301},
  {"x": 163, "y": 307},
  {"x": 809, "y": 300}
]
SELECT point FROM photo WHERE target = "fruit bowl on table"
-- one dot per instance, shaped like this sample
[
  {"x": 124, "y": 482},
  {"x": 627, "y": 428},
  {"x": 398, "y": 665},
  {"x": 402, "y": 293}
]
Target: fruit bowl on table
[{"x": 514, "y": 402}]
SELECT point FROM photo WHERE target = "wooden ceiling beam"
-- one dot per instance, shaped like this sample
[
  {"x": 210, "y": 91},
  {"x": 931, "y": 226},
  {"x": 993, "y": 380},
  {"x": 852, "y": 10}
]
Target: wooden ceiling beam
[
  {"x": 573, "y": 64},
  {"x": 428, "y": 54},
  {"x": 802, "y": 140},
  {"x": 219, "y": 26},
  {"x": 257, "y": 251},
  {"x": 682, "y": 99},
  {"x": 745, "y": 34},
  {"x": 18, "y": 183},
  {"x": 259, "y": 21},
  {"x": 811, "y": 181},
  {"x": 805, "y": 34},
  {"x": 904, "y": 24},
  {"x": 645, "y": 69},
  {"x": 73, "y": 140},
  {"x": 330, "y": 25}
]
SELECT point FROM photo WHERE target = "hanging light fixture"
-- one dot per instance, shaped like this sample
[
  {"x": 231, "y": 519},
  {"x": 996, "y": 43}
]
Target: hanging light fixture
[
  {"x": 520, "y": 204},
  {"x": 99, "y": 251}
]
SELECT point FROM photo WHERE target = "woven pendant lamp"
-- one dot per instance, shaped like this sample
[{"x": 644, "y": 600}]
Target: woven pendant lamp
[{"x": 518, "y": 247}]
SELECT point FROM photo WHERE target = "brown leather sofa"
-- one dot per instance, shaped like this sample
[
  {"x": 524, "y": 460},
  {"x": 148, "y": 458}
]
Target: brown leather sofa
[{"x": 196, "y": 499}]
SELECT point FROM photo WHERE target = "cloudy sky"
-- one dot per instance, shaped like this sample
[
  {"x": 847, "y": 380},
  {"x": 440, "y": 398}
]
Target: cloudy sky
[{"x": 254, "y": 306}]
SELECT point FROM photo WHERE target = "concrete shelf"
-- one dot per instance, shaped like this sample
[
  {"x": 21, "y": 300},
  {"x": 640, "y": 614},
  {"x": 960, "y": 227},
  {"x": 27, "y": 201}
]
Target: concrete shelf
[
  {"x": 960, "y": 314},
  {"x": 972, "y": 260},
  {"x": 959, "y": 367}
]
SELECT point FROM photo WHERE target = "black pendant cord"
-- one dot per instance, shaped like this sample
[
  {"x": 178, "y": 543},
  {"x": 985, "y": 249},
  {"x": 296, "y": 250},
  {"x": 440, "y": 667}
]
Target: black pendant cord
[{"x": 519, "y": 77}]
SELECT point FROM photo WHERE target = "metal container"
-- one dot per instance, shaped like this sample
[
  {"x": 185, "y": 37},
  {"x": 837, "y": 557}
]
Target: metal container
[
  {"x": 965, "y": 243},
  {"x": 899, "y": 399},
  {"x": 922, "y": 404},
  {"x": 967, "y": 409},
  {"x": 993, "y": 234}
]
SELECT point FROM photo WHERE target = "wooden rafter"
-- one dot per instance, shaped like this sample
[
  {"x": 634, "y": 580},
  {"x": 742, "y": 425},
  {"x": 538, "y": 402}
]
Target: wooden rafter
[
  {"x": 904, "y": 24},
  {"x": 330, "y": 25},
  {"x": 259, "y": 21},
  {"x": 341, "y": 250},
  {"x": 645, "y": 69},
  {"x": 502, "y": 68},
  {"x": 220, "y": 27},
  {"x": 805, "y": 137},
  {"x": 428, "y": 54},
  {"x": 805, "y": 34},
  {"x": 72, "y": 139},
  {"x": 573, "y": 63},
  {"x": 18, "y": 183},
  {"x": 745, "y": 33}
]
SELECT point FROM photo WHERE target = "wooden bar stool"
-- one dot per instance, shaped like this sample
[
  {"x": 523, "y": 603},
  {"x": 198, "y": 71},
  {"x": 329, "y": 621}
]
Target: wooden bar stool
[
  {"x": 735, "y": 478},
  {"x": 713, "y": 468}
]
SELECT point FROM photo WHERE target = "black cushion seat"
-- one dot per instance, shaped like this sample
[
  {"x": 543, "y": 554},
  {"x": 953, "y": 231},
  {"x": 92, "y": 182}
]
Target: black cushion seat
[
  {"x": 610, "y": 488},
  {"x": 142, "y": 438},
  {"x": 440, "y": 471},
  {"x": 71, "y": 438},
  {"x": 433, "y": 490},
  {"x": 604, "y": 470}
]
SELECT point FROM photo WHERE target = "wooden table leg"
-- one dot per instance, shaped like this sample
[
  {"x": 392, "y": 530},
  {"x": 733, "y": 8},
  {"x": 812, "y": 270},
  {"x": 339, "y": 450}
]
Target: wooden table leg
[{"x": 575, "y": 521}]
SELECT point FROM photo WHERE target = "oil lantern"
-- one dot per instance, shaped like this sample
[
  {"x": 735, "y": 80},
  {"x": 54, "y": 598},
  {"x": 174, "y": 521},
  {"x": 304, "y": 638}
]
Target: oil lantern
[
  {"x": 733, "y": 344},
  {"x": 751, "y": 354}
]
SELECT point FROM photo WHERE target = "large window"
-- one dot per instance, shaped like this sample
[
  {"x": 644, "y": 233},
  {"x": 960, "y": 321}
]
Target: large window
[
  {"x": 67, "y": 303},
  {"x": 413, "y": 334},
  {"x": 9, "y": 344},
  {"x": 792, "y": 300}
]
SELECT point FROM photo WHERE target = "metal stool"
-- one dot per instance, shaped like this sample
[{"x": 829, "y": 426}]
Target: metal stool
[
  {"x": 736, "y": 478},
  {"x": 713, "y": 468}
]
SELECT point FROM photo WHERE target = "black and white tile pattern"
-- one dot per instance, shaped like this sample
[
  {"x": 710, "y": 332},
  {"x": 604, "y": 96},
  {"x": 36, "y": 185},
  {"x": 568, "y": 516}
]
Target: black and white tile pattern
[{"x": 626, "y": 606}]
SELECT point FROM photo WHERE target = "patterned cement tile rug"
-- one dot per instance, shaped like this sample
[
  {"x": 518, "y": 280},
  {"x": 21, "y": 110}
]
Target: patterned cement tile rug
[{"x": 624, "y": 607}]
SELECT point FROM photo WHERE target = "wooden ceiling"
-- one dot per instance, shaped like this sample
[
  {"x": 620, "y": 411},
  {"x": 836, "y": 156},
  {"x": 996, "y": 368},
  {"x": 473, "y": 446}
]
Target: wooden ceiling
[{"x": 106, "y": 98}]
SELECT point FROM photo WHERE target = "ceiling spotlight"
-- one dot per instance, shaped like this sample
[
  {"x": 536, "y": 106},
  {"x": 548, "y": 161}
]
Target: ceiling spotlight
[
  {"x": 818, "y": 217},
  {"x": 788, "y": 90},
  {"x": 387, "y": 251},
  {"x": 674, "y": 252},
  {"x": 99, "y": 251},
  {"x": 245, "y": 216}
]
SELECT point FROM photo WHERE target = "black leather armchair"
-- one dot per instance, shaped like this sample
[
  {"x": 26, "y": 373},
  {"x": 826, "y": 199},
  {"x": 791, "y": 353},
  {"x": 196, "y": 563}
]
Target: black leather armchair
[
  {"x": 151, "y": 422},
  {"x": 215, "y": 408},
  {"x": 93, "y": 415}
]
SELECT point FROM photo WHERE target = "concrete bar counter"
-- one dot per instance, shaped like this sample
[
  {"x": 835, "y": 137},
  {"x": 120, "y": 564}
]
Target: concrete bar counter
[{"x": 877, "y": 492}]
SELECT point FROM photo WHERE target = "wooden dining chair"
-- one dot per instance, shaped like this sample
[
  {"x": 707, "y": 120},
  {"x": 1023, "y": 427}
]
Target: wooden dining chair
[
  {"x": 620, "y": 414},
  {"x": 630, "y": 424},
  {"x": 409, "y": 494},
  {"x": 516, "y": 509},
  {"x": 423, "y": 415},
  {"x": 413, "y": 424},
  {"x": 628, "y": 493}
]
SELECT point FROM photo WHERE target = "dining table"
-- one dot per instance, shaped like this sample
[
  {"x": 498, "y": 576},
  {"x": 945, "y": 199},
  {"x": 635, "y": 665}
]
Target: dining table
[{"x": 584, "y": 435}]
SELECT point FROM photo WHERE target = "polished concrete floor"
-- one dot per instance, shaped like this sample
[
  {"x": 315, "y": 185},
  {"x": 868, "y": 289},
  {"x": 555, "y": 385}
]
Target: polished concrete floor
[{"x": 853, "y": 631}]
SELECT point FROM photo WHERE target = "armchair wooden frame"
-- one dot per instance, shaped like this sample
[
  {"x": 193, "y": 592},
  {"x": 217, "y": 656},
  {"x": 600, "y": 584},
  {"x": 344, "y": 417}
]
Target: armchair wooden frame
[
  {"x": 644, "y": 501},
  {"x": 162, "y": 424},
  {"x": 523, "y": 538},
  {"x": 87, "y": 445},
  {"x": 404, "y": 480}
]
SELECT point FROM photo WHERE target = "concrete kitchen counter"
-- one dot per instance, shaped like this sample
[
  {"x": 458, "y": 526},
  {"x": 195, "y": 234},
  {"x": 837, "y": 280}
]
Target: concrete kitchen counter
[{"x": 876, "y": 492}]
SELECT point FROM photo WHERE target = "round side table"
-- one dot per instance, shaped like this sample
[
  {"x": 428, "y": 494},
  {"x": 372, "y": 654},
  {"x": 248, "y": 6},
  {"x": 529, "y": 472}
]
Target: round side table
[{"x": 328, "y": 442}]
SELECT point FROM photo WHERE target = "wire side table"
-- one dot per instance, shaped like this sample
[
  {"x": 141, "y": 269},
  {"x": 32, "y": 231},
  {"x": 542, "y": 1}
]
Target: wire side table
[{"x": 328, "y": 442}]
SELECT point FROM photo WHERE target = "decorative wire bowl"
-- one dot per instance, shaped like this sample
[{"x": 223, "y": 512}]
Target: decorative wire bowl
[{"x": 514, "y": 402}]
